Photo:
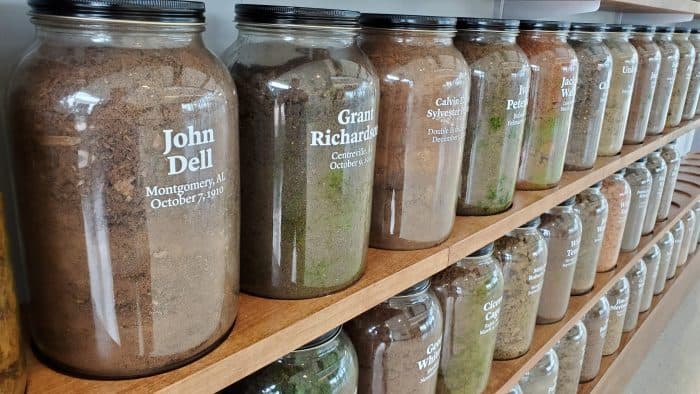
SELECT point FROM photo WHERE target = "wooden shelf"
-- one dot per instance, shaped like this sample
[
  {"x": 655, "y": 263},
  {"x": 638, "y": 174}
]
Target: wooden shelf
[
  {"x": 651, "y": 6},
  {"x": 267, "y": 329}
]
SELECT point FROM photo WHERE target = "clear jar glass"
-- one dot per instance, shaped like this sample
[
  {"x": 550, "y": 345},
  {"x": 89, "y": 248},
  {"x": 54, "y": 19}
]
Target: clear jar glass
[
  {"x": 542, "y": 378},
  {"x": 642, "y": 38},
  {"x": 667, "y": 76},
  {"x": 618, "y": 297},
  {"x": 500, "y": 81},
  {"x": 570, "y": 350},
  {"x": 658, "y": 170},
  {"x": 126, "y": 152},
  {"x": 592, "y": 208},
  {"x": 523, "y": 257},
  {"x": 665, "y": 245},
  {"x": 691, "y": 101},
  {"x": 305, "y": 210},
  {"x": 554, "y": 69},
  {"x": 696, "y": 232},
  {"x": 470, "y": 294},
  {"x": 639, "y": 179},
  {"x": 561, "y": 228},
  {"x": 689, "y": 225},
  {"x": 686, "y": 62},
  {"x": 327, "y": 364},
  {"x": 594, "y": 73},
  {"x": 596, "y": 321},
  {"x": 672, "y": 157},
  {"x": 515, "y": 389},
  {"x": 618, "y": 194},
  {"x": 678, "y": 231},
  {"x": 424, "y": 83},
  {"x": 399, "y": 343},
  {"x": 651, "y": 259},
  {"x": 636, "y": 277}
]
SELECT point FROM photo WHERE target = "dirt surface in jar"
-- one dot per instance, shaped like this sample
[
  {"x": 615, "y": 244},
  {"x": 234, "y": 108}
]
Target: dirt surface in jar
[
  {"x": 639, "y": 179},
  {"x": 550, "y": 106},
  {"x": 523, "y": 257},
  {"x": 672, "y": 158},
  {"x": 666, "y": 248},
  {"x": 658, "y": 170},
  {"x": 691, "y": 101},
  {"x": 570, "y": 351},
  {"x": 644, "y": 88},
  {"x": 664, "y": 86},
  {"x": 678, "y": 231},
  {"x": 500, "y": 80},
  {"x": 636, "y": 277},
  {"x": 618, "y": 194},
  {"x": 618, "y": 297},
  {"x": 596, "y": 321},
  {"x": 424, "y": 84},
  {"x": 592, "y": 207},
  {"x": 129, "y": 198},
  {"x": 651, "y": 260},
  {"x": 594, "y": 72},
  {"x": 679, "y": 95}
]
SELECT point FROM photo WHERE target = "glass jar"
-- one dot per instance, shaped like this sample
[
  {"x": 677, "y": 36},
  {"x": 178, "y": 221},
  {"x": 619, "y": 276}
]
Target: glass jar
[
  {"x": 672, "y": 158},
  {"x": 618, "y": 297},
  {"x": 618, "y": 194},
  {"x": 665, "y": 245},
  {"x": 594, "y": 73},
  {"x": 470, "y": 294},
  {"x": 523, "y": 257},
  {"x": 561, "y": 228},
  {"x": 500, "y": 81},
  {"x": 686, "y": 62},
  {"x": 623, "y": 72},
  {"x": 399, "y": 343},
  {"x": 636, "y": 277},
  {"x": 515, "y": 389},
  {"x": 327, "y": 364},
  {"x": 554, "y": 69},
  {"x": 570, "y": 350},
  {"x": 651, "y": 259},
  {"x": 642, "y": 38},
  {"x": 596, "y": 321},
  {"x": 691, "y": 101},
  {"x": 592, "y": 208},
  {"x": 126, "y": 151},
  {"x": 667, "y": 75},
  {"x": 305, "y": 210},
  {"x": 678, "y": 231},
  {"x": 688, "y": 235},
  {"x": 424, "y": 83},
  {"x": 542, "y": 378},
  {"x": 658, "y": 170},
  {"x": 696, "y": 233},
  {"x": 639, "y": 179}
]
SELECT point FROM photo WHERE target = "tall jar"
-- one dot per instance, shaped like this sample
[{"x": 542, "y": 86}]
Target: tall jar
[
  {"x": 696, "y": 233},
  {"x": 645, "y": 82},
  {"x": 554, "y": 69},
  {"x": 689, "y": 225},
  {"x": 651, "y": 259},
  {"x": 667, "y": 76},
  {"x": 305, "y": 207},
  {"x": 424, "y": 83},
  {"x": 13, "y": 370},
  {"x": 500, "y": 82},
  {"x": 523, "y": 257},
  {"x": 570, "y": 350},
  {"x": 672, "y": 157},
  {"x": 596, "y": 321},
  {"x": 399, "y": 342},
  {"x": 618, "y": 194},
  {"x": 126, "y": 151},
  {"x": 618, "y": 297},
  {"x": 658, "y": 170},
  {"x": 328, "y": 364},
  {"x": 665, "y": 245},
  {"x": 691, "y": 101},
  {"x": 594, "y": 73},
  {"x": 542, "y": 378},
  {"x": 678, "y": 231},
  {"x": 639, "y": 179},
  {"x": 592, "y": 208},
  {"x": 470, "y": 294},
  {"x": 686, "y": 62},
  {"x": 561, "y": 228},
  {"x": 636, "y": 277},
  {"x": 623, "y": 72}
]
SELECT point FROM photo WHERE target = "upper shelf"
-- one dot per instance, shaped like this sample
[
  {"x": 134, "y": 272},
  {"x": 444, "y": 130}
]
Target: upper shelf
[{"x": 652, "y": 6}]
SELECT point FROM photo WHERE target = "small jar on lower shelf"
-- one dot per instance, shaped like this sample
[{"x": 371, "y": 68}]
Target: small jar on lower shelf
[
  {"x": 618, "y": 194},
  {"x": 618, "y": 297},
  {"x": 639, "y": 180},
  {"x": 678, "y": 231},
  {"x": 665, "y": 245},
  {"x": 596, "y": 321},
  {"x": 592, "y": 208},
  {"x": 651, "y": 259},
  {"x": 570, "y": 351},
  {"x": 672, "y": 157},
  {"x": 542, "y": 378},
  {"x": 657, "y": 168},
  {"x": 636, "y": 277},
  {"x": 689, "y": 225}
]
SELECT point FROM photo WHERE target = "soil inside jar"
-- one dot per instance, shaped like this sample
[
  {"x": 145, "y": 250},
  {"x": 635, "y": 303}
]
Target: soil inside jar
[
  {"x": 644, "y": 88},
  {"x": 636, "y": 276},
  {"x": 592, "y": 208},
  {"x": 618, "y": 297},
  {"x": 657, "y": 168},
  {"x": 664, "y": 86},
  {"x": 570, "y": 350},
  {"x": 596, "y": 321},
  {"x": 618, "y": 194}
]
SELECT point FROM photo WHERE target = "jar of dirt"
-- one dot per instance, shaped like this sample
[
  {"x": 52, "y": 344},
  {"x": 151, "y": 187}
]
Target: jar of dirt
[
  {"x": 542, "y": 378},
  {"x": 670, "y": 57},
  {"x": 689, "y": 225},
  {"x": 618, "y": 194},
  {"x": 596, "y": 321},
  {"x": 639, "y": 180},
  {"x": 672, "y": 157},
  {"x": 651, "y": 259},
  {"x": 642, "y": 38},
  {"x": 592, "y": 208},
  {"x": 658, "y": 170},
  {"x": 618, "y": 297},
  {"x": 678, "y": 231},
  {"x": 686, "y": 63},
  {"x": 636, "y": 277},
  {"x": 665, "y": 245},
  {"x": 691, "y": 101},
  {"x": 570, "y": 350}
]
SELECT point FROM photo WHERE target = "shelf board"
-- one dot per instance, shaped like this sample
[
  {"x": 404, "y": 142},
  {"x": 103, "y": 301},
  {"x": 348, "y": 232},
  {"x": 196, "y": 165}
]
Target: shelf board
[
  {"x": 267, "y": 329},
  {"x": 651, "y": 6}
]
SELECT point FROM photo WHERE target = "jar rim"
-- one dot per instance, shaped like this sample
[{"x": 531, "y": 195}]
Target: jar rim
[
  {"x": 483, "y": 251},
  {"x": 588, "y": 27},
  {"x": 489, "y": 24},
  {"x": 619, "y": 28},
  {"x": 538, "y": 25},
  {"x": 322, "y": 340},
  {"x": 141, "y": 11},
  {"x": 418, "y": 288},
  {"x": 408, "y": 22},
  {"x": 288, "y": 15}
]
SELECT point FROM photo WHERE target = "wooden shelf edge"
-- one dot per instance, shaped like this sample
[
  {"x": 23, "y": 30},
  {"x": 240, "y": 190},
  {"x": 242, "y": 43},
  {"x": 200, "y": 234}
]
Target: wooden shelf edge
[
  {"x": 651, "y": 6},
  {"x": 261, "y": 335}
]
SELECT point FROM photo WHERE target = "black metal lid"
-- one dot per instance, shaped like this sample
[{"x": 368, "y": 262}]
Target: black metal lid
[
  {"x": 643, "y": 29},
  {"x": 168, "y": 11},
  {"x": 664, "y": 29},
  {"x": 484, "y": 251},
  {"x": 619, "y": 28},
  {"x": 681, "y": 29},
  {"x": 568, "y": 202},
  {"x": 588, "y": 27},
  {"x": 544, "y": 25},
  {"x": 413, "y": 22},
  {"x": 596, "y": 185},
  {"x": 415, "y": 289},
  {"x": 488, "y": 24},
  {"x": 329, "y": 336},
  {"x": 621, "y": 171},
  {"x": 532, "y": 223},
  {"x": 695, "y": 30},
  {"x": 641, "y": 160},
  {"x": 272, "y": 14}
]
